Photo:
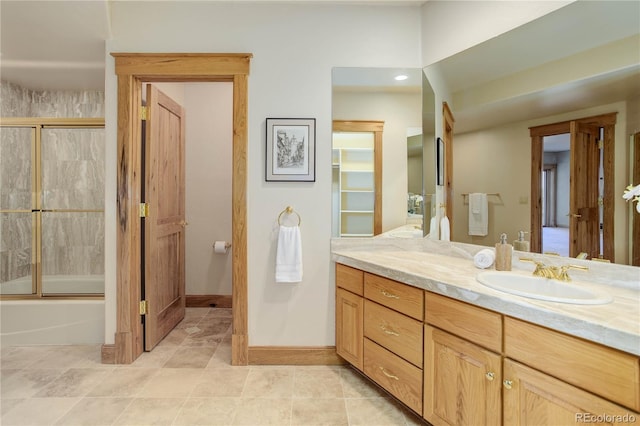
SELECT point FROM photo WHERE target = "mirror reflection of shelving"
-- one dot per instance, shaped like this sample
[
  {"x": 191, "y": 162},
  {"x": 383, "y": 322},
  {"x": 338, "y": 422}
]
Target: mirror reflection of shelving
[{"x": 353, "y": 155}]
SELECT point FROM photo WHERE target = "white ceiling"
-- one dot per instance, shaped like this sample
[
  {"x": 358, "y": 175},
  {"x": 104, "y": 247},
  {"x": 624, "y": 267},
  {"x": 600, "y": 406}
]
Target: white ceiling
[{"x": 61, "y": 45}]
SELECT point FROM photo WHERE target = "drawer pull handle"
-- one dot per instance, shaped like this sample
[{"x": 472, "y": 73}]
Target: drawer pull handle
[
  {"x": 389, "y": 331},
  {"x": 508, "y": 384},
  {"x": 490, "y": 376},
  {"x": 391, "y": 376},
  {"x": 389, "y": 295}
]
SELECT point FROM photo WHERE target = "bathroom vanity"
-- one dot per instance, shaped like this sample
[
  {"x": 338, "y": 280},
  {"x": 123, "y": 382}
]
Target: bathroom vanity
[{"x": 421, "y": 326}]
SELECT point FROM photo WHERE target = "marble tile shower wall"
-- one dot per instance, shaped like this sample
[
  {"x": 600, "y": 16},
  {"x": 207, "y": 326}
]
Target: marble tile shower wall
[
  {"x": 72, "y": 178},
  {"x": 18, "y": 101}
]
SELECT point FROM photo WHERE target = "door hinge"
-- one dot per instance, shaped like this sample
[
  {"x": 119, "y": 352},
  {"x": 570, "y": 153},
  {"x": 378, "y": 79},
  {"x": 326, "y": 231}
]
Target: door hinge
[
  {"x": 600, "y": 143},
  {"x": 144, "y": 113},
  {"x": 601, "y": 201},
  {"x": 144, "y": 209},
  {"x": 144, "y": 307}
]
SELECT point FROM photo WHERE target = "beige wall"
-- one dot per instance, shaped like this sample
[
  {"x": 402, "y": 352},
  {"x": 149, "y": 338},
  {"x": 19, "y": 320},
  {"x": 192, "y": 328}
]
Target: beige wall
[
  {"x": 209, "y": 133},
  {"x": 497, "y": 160}
]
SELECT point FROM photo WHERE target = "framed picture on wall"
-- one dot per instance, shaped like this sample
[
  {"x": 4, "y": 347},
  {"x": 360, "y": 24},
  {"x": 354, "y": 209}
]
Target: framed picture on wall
[
  {"x": 439, "y": 161},
  {"x": 291, "y": 150}
]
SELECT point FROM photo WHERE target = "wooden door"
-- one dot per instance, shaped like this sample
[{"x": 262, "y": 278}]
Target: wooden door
[
  {"x": 534, "y": 398},
  {"x": 164, "y": 244},
  {"x": 462, "y": 381},
  {"x": 584, "y": 210},
  {"x": 349, "y": 327}
]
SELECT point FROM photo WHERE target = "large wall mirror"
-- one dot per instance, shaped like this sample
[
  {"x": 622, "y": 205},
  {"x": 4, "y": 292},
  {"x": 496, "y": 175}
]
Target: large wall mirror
[
  {"x": 582, "y": 60},
  {"x": 392, "y": 98}
]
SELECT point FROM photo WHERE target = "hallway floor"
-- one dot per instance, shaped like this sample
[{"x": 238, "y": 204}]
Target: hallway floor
[{"x": 186, "y": 380}]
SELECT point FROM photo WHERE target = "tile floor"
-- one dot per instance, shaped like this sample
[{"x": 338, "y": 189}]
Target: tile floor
[{"x": 186, "y": 380}]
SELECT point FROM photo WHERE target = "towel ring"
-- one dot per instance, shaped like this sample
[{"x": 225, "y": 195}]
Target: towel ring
[{"x": 289, "y": 210}]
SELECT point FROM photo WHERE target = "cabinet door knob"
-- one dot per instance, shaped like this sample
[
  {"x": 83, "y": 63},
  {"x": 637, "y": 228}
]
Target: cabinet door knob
[
  {"x": 508, "y": 384},
  {"x": 490, "y": 376}
]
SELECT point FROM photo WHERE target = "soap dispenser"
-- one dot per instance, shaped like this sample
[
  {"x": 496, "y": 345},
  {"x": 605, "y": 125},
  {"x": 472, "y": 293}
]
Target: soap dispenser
[
  {"x": 504, "y": 251},
  {"x": 521, "y": 244}
]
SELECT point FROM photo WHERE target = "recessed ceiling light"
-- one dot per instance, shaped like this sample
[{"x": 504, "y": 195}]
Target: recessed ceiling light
[{"x": 401, "y": 77}]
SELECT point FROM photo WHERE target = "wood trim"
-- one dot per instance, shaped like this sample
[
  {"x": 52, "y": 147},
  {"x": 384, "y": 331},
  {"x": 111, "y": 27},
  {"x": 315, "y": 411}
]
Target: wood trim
[
  {"x": 377, "y": 182},
  {"x": 608, "y": 223},
  {"x": 47, "y": 121},
  {"x": 294, "y": 355},
  {"x": 206, "y": 300},
  {"x": 108, "y": 354},
  {"x": 132, "y": 69},
  {"x": 537, "y": 133},
  {"x": 447, "y": 137},
  {"x": 190, "y": 66},
  {"x": 357, "y": 126},
  {"x": 240, "y": 338},
  {"x": 635, "y": 254},
  {"x": 535, "y": 231},
  {"x": 129, "y": 333}
]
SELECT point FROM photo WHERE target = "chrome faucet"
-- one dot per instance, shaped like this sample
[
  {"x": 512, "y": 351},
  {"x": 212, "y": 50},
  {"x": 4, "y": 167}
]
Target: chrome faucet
[{"x": 560, "y": 273}]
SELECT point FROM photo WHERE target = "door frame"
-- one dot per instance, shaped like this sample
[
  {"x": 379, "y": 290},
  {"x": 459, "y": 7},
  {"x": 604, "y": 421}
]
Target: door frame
[
  {"x": 607, "y": 122},
  {"x": 132, "y": 69},
  {"x": 375, "y": 127}
]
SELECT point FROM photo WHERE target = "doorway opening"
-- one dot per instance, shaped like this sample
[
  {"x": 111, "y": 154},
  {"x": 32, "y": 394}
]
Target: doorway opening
[
  {"x": 575, "y": 202},
  {"x": 132, "y": 69}
]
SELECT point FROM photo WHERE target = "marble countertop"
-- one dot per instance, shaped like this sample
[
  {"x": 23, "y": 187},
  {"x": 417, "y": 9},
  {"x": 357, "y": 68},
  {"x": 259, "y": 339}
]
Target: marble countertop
[{"x": 447, "y": 268}]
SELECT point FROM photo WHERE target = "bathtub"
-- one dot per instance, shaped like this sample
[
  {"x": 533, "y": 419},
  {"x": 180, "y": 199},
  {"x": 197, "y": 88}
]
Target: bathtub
[{"x": 53, "y": 321}]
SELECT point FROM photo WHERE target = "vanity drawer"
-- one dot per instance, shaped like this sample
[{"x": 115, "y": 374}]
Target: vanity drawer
[
  {"x": 604, "y": 371},
  {"x": 470, "y": 322},
  {"x": 397, "y": 296},
  {"x": 349, "y": 278},
  {"x": 399, "y": 377},
  {"x": 399, "y": 333}
]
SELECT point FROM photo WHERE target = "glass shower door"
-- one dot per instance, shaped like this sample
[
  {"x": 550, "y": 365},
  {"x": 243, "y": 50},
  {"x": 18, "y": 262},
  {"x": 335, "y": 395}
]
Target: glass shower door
[
  {"x": 18, "y": 219},
  {"x": 72, "y": 164}
]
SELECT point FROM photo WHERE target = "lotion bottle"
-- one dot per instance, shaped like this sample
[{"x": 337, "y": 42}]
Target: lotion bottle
[
  {"x": 504, "y": 251},
  {"x": 521, "y": 244}
]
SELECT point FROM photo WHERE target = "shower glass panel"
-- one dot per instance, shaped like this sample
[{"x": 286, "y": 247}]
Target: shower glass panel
[
  {"x": 72, "y": 211},
  {"x": 17, "y": 193}
]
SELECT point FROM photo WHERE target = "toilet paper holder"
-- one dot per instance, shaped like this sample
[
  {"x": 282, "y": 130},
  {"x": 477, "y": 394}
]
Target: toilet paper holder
[{"x": 226, "y": 244}]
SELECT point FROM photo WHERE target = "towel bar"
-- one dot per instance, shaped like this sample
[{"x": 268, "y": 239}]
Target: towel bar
[{"x": 289, "y": 210}]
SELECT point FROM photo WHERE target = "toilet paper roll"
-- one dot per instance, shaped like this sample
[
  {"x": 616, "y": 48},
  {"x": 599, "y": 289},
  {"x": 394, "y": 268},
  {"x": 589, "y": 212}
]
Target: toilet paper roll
[{"x": 220, "y": 247}]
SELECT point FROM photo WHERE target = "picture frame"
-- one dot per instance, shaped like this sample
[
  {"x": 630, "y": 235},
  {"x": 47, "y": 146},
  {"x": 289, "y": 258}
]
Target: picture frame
[
  {"x": 291, "y": 150},
  {"x": 439, "y": 162}
]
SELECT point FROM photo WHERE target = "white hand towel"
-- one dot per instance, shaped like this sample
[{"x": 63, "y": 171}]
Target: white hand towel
[
  {"x": 484, "y": 258},
  {"x": 289, "y": 255},
  {"x": 445, "y": 229},
  {"x": 478, "y": 214},
  {"x": 433, "y": 228}
]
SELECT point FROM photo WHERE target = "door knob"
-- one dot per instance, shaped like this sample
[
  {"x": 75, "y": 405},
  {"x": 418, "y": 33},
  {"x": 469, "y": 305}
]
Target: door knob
[
  {"x": 574, "y": 215},
  {"x": 183, "y": 223}
]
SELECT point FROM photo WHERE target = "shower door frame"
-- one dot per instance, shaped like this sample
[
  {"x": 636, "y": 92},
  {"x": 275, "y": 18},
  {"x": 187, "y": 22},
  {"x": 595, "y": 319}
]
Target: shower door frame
[{"x": 37, "y": 124}]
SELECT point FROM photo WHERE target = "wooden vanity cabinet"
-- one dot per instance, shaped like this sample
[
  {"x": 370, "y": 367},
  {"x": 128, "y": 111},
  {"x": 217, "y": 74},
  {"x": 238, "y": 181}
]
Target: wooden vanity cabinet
[
  {"x": 459, "y": 364},
  {"x": 350, "y": 315},
  {"x": 607, "y": 373},
  {"x": 531, "y": 397},
  {"x": 462, "y": 379},
  {"x": 379, "y": 331}
]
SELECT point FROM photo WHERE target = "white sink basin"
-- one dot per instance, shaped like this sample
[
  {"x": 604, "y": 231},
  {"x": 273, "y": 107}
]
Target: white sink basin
[{"x": 542, "y": 288}]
